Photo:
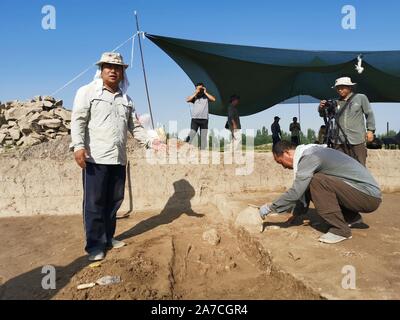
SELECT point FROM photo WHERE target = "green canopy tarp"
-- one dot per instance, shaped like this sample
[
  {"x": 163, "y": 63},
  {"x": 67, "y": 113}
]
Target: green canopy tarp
[{"x": 264, "y": 77}]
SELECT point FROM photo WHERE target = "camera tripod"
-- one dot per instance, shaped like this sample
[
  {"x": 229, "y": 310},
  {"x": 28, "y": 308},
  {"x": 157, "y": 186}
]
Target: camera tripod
[{"x": 333, "y": 137}]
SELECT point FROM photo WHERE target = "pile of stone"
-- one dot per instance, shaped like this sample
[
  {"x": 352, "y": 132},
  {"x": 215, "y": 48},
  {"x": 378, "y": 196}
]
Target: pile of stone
[{"x": 32, "y": 122}]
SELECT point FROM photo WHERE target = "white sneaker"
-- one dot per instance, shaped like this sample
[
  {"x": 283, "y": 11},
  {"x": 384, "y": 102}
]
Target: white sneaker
[
  {"x": 96, "y": 255},
  {"x": 332, "y": 238},
  {"x": 116, "y": 244}
]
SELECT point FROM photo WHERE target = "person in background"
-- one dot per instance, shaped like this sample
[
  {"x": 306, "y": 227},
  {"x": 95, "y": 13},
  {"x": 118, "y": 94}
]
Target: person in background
[
  {"x": 295, "y": 129},
  {"x": 199, "y": 112},
  {"x": 234, "y": 121},
  {"x": 354, "y": 131},
  {"x": 276, "y": 131}
]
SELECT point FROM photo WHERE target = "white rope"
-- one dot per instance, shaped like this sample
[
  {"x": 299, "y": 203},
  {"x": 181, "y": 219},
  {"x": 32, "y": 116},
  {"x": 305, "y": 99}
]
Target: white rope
[
  {"x": 132, "y": 51},
  {"x": 69, "y": 82},
  {"x": 92, "y": 65}
]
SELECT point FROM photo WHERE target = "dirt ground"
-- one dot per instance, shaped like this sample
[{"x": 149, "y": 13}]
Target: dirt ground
[
  {"x": 373, "y": 253},
  {"x": 166, "y": 258}
]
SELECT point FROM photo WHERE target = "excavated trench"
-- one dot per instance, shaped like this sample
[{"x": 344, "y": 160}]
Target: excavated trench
[{"x": 170, "y": 263}]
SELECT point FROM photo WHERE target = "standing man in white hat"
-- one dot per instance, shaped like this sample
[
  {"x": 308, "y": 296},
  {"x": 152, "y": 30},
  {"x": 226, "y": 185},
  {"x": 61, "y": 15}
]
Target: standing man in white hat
[
  {"x": 101, "y": 117},
  {"x": 351, "y": 132}
]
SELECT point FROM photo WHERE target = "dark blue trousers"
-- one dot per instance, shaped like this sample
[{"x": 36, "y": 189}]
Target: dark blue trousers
[{"x": 103, "y": 193}]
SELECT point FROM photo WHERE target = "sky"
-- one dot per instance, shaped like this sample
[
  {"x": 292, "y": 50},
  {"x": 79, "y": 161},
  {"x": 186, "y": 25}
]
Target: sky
[{"x": 35, "y": 61}]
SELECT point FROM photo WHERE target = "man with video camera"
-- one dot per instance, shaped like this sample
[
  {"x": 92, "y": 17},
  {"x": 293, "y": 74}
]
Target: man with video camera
[{"x": 344, "y": 120}]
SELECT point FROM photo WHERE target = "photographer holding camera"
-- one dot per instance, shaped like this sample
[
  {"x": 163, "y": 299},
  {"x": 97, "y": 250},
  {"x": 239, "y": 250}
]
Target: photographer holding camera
[
  {"x": 347, "y": 132},
  {"x": 199, "y": 111}
]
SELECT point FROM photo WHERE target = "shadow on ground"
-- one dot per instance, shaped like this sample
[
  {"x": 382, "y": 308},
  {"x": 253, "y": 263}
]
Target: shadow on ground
[
  {"x": 177, "y": 205},
  {"x": 29, "y": 285}
]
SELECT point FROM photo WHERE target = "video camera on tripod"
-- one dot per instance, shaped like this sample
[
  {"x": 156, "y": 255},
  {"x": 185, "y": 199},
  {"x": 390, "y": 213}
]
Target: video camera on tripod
[{"x": 329, "y": 109}]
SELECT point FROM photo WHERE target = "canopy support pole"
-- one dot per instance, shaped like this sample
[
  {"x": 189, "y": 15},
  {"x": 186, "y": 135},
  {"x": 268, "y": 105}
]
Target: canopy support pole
[
  {"x": 144, "y": 71},
  {"x": 298, "y": 107}
]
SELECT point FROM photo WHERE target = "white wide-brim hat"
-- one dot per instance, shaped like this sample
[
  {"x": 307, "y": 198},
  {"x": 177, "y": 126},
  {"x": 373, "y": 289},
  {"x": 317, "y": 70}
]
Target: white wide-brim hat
[
  {"x": 344, "y": 81},
  {"x": 112, "y": 58}
]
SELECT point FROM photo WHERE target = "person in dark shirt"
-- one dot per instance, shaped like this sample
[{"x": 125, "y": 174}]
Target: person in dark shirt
[
  {"x": 295, "y": 129},
  {"x": 276, "y": 130}
]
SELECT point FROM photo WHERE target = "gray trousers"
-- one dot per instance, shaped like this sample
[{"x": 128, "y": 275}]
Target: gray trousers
[{"x": 356, "y": 151}]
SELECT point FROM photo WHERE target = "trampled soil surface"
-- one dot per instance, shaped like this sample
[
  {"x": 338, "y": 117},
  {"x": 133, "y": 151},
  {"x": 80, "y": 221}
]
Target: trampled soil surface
[{"x": 166, "y": 258}]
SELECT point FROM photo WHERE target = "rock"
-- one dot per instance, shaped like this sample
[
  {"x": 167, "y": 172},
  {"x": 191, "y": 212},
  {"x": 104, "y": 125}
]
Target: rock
[
  {"x": 29, "y": 141},
  {"x": 249, "y": 219},
  {"x": 63, "y": 114},
  {"x": 24, "y": 126},
  {"x": 38, "y": 136},
  {"x": 18, "y": 113},
  {"x": 212, "y": 237},
  {"x": 50, "y": 99},
  {"x": 63, "y": 129},
  {"x": 50, "y": 123},
  {"x": 15, "y": 104},
  {"x": 10, "y": 114},
  {"x": 47, "y": 105},
  {"x": 273, "y": 227},
  {"x": 31, "y": 122},
  {"x": 36, "y": 105},
  {"x": 35, "y": 117},
  {"x": 47, "y": 114},
  {"x": 15, "y": 133},
  {"x": 50, "y": 134}
]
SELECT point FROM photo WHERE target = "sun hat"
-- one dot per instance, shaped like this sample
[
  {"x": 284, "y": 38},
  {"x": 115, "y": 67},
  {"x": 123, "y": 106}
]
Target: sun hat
[
  {"x": 344, "y": 81},
  {"x": 112, "y": 58}
]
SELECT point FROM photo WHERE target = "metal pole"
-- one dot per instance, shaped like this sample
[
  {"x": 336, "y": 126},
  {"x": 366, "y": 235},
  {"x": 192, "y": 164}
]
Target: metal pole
[
  {"x": 298, "y": 100},
  {"x": 298, "y": 111},
  {"x": 144, "y": 70},
  {"x": 387, "y": 128}
]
